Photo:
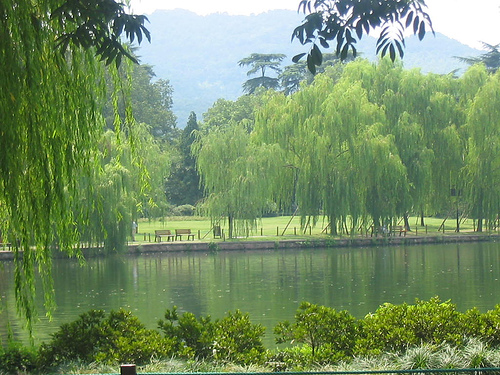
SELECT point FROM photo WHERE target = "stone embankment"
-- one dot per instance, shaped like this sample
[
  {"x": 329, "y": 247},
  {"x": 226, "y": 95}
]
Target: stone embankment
[
  {"x": 308, "y": 243},
  {"x": 182, "y": 246}
]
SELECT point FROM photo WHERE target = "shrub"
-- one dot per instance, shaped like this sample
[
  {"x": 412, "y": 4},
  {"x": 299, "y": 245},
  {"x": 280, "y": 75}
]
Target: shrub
[
  {"x": 487, "y": 327},
  {"x": 78, "y": 340},
  {"x": 17, "y": 358},
  {"x": 331, "y": 334},
  {"x": 398, "y": 327},
  {"x": 183, "y": 210},
  {"x": 237, "y": 340},
  {"x": 192, "y": 336},
  {"x": 93, "y": 337},
  {"x": 129, "y": 341},
  {"x": 230, "y": 339}
]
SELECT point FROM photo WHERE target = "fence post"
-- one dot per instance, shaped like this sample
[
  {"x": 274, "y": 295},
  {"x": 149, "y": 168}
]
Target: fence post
[{"x": 129, "y": 369}]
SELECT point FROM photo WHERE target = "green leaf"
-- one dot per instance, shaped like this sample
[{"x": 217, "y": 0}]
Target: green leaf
[
  {"x": 392, "y": 52},
  {"x": 359, "y": 29},
  {"x": 381, "y": 44},
  {"x": 345, "y": 51},
  {"x": 310, "y": 64},
  {"x": 421, "y": 31},
  {"x": 297, "y": 58},
  {"x": 415, "y": 24},
  {"x": 316, "y": 55},
  {"x": 409, "y": 19},
  {"x": 384, "y": 50},
  {"x": 383, "y": 34}
]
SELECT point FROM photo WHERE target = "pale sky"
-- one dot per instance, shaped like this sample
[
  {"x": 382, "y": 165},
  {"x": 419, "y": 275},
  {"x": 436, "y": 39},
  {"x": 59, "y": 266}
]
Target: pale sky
[{"x": 469, "y": 21}]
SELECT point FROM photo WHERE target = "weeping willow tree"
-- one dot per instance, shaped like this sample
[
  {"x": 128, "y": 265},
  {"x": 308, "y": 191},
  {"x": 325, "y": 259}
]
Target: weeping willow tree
[
  {"x": 371, "y": 143},
  {"x": 332, "y": 136},
  {"x": 116, "y": 196},
  {"x": 482, "y": 169},
  {"x": 237, "y": 176},
  {"x": 424, "y": 117},
  {"x": 51, "y": 94}
]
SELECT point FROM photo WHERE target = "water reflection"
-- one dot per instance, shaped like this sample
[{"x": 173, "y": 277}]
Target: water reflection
[{"x": 269, "y": 285}]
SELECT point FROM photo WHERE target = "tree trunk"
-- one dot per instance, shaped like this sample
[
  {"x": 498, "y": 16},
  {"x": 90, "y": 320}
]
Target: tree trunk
[
  {"x": 480, "y": 213},
  {"x": 231, "y": 224},
  {"x": 407, "y": 223}
]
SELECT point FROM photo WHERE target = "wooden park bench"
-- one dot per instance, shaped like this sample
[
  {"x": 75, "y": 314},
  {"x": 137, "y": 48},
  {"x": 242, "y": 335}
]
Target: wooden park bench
[
  {"x": 180, "y": 232},
  {"x": 398, "y": 229},
  {"x": 159, "y": 233}
]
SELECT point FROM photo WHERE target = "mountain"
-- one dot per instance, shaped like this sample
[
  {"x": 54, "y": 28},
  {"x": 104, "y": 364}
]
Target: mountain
[{"x": 200, "y": 54}]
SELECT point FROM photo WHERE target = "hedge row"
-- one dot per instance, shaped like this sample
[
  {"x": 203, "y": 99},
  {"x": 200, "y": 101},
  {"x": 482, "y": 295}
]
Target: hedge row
[{"x": 318, "y": 335}]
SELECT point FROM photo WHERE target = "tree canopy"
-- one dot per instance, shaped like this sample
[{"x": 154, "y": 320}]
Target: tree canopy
[
  {"x": 52, "y": 91},
  {"x": 260, "y": 63},
  {"x": 362, "y": 146},
  {"x": 343, "y": 22},
  {"x": 490, "y": 59}
]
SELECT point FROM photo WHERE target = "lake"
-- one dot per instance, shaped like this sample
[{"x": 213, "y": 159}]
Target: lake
[{"x": 269, "y": 285}]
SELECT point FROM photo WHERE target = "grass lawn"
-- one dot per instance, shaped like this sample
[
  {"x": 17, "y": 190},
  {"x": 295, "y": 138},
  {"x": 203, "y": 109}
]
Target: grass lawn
[{"x": 273, "y": 228}]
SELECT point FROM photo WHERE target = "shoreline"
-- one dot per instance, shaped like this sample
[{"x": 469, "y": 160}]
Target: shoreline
[
  {"x": 242, "y": 245},
  {"x": 308, "y": 243}
]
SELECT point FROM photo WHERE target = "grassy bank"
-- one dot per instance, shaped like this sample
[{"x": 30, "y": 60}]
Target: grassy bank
[{"x": 287, "y": 227}]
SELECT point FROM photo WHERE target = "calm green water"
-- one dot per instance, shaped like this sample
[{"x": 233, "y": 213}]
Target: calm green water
[{"x": 269, "y": 285}]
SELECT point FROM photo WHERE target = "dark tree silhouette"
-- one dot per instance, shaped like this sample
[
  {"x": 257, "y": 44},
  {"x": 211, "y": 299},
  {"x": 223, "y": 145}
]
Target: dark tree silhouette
[
  {"x": 343, "y": 22},
  {"x": 260, "y": 62},
  {"x": 490, "y": 59}
]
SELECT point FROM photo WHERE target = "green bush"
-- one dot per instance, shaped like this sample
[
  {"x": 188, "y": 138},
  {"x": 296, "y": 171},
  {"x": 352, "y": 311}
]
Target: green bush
[
  {"x": 237, "y": 340},
  {"x": 395, "y": 328},
  {"x": 17, "y": 358},
  {"x": 128, "y": 341},
  {"x": 487, "y": 327},
  {"x": 230, "y": 339},
  {"x": 192, "y": 336},
  {"x": 93, "y": 337},
  {"x": 427, "y": 334},
  {"x": 330, "y": 334},
  {"x": 78, "y": 340},
  {"x": 183, "y": 210}
]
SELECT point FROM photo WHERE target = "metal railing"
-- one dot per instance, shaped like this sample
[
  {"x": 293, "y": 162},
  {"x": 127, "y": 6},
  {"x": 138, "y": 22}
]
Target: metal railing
[{"x": 132, "y": 370}]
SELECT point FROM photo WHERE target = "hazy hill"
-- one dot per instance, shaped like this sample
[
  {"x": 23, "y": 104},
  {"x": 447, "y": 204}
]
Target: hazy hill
[{"x": 199, "y": 54}]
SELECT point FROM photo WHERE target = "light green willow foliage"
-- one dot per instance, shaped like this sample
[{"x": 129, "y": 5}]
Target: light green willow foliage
[
  {"x": 330, "y": 134},
  {"x": 49, "y": 126},
  {"x": 237, "y": 176},
  {"x": 482, "y": 171},
  {"x": 117, "y": 194},
  {"x": 424, "y": 115},
  {"x": 374, "y": 143}
]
